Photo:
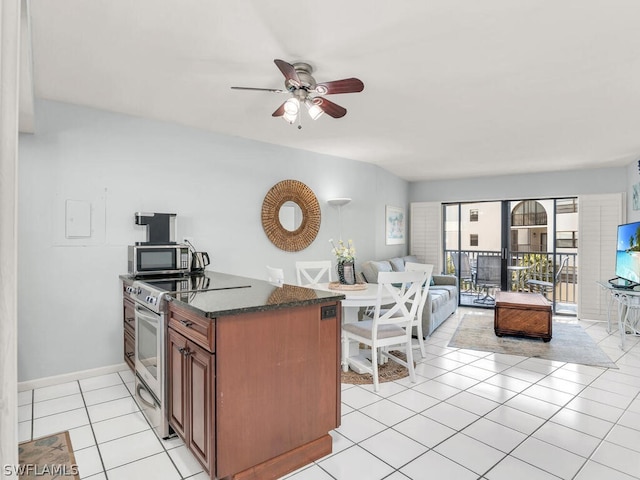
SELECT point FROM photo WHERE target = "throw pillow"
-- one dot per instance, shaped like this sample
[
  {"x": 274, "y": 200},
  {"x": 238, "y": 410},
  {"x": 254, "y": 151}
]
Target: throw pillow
[
  {"x": 397, "y": 264},
  {"x": 370, "y": 270},
  {"x": 410, "y": 258}
]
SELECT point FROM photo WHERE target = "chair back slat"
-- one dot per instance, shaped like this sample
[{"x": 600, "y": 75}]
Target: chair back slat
[
  {"x": 427, "y": 269},
  {"x": 313, "y": 272},
  {"x": 489, "y": 270},
  {"x": 405, "y": 288}
]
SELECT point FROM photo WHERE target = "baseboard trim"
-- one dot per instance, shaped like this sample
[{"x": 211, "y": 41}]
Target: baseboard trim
[{"x": 70, "y": 377}]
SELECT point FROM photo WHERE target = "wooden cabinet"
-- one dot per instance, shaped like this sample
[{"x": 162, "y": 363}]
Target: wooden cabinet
[
  {"x": 262, "y": 405},
  {"x": 200, "y": 405},
  {"x": 129, "y": 328},
  {"x": 177, "y": 374},
  {"x": 191, "y": 406},
  {"x": 522, "y": 314}
]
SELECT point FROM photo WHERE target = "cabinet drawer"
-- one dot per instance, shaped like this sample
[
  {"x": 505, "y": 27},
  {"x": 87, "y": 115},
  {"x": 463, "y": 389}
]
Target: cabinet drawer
[
  {"x": 195, "y": 327},
  {"x": 528, "y": 321}
]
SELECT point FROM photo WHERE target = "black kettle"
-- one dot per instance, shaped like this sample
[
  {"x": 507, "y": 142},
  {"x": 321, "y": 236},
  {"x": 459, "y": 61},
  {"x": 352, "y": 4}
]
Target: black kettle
[{"x": 199, "y": 260}]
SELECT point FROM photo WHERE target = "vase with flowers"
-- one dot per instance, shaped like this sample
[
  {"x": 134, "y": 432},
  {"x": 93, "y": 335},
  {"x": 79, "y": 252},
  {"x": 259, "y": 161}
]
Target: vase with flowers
[{"x": 345, "y": 256}]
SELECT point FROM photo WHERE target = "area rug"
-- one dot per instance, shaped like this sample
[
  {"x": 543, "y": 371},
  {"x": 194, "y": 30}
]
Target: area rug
[
  {"x": 569, "y": 342},
  {"x": 387, "y": 372},
  {"x": 48, "y": 458}
]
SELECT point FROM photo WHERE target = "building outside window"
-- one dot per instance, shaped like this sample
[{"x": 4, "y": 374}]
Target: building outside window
[
  {"x": 473, "y": 215},
  {"x": 528, "y": 213},
  {"x": 566, "y": 239},
  {"x": 567, "y": 205},
  {"x": 473, "y": 239}
]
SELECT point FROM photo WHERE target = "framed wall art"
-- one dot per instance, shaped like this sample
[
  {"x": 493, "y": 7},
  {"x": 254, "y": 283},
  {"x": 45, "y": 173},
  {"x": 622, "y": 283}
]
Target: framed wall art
[{"x": 394, "y": 225}]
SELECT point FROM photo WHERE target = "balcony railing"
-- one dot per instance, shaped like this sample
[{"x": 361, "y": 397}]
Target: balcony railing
[{"x": 541, "y": 266}]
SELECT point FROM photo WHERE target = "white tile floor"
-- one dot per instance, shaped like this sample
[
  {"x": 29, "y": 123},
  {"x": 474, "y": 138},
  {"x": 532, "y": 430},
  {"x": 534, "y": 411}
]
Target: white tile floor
[{"x": 471, "y": 415}]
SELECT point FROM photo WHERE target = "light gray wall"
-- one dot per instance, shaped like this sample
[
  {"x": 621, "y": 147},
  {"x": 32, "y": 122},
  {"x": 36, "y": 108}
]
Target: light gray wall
[
  {"x": 69, "y": 293},
  {"x": 534, "y": 185},
  {"x": 633, "y": 178}
]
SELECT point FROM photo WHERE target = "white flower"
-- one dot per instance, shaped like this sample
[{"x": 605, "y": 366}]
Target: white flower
[{"x": 343, "y": 253}]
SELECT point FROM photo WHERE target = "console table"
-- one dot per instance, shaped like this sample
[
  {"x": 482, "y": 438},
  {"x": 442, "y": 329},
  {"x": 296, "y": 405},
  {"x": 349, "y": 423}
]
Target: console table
[{"x": 628, "y": 310}]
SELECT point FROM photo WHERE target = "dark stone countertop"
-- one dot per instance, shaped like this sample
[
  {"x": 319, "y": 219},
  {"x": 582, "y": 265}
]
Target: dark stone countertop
[{"x": 237, "y": 295}]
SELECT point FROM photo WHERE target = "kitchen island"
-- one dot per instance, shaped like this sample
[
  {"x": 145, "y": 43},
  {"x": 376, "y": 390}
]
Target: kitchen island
[{"x": 254, "y": 375}]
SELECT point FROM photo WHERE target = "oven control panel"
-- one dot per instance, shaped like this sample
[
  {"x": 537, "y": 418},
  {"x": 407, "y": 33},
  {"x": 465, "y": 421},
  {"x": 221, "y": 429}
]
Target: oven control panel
[
  {"x": 131, "y": 290},
  {"x": 151, "y": 300},
  {"x": 148, "y": 296}
]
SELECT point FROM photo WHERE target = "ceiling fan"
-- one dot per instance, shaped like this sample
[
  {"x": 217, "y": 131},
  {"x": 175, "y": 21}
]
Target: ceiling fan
[{"x": 305, "y": 91}]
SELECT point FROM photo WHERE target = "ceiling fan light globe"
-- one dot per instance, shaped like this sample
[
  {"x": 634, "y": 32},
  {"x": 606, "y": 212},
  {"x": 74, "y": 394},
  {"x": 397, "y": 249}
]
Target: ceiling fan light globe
[
  {"x": 314, "y": 110},
  {"x": 289, "y": 118},
  {"x": 292, "y": 106}
]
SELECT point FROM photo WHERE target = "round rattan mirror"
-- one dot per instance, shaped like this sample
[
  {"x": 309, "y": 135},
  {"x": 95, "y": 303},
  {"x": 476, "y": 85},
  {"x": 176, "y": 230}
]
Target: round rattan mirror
[{"x": 298, "y": 193}]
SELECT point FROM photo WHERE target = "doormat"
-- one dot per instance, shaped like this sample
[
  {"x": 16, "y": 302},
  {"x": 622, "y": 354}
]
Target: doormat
[
  {"x": 387, "y": 372},
  {"x": 48, "y": 458},
  {"x": 569, "y": 343}
]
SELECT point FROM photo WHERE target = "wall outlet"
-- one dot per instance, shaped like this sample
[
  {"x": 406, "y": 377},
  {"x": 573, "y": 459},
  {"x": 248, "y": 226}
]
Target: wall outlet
[{"x": 187, "y": 240}]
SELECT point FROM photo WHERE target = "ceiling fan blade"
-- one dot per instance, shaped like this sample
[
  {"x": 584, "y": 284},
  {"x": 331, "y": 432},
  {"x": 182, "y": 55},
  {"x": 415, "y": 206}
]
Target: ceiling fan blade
[
  {"x": 288, "y": 71},
  {"x": 274, "y": 90},
  {"x": 348, "y": 85},
  {"x": 332, "y": 109},
  {"x": 279, "y": 112}
]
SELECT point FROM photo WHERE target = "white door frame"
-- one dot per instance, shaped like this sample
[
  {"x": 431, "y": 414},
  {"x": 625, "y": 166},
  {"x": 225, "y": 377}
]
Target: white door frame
[{"x": 9, "y": 77}]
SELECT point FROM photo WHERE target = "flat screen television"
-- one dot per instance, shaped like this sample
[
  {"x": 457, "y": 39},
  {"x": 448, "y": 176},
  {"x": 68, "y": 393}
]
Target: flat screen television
[{"x": 628, "y": 255}]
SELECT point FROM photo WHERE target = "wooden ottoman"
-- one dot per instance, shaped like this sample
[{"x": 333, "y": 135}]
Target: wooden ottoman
[{"x": 522, "y": 314}]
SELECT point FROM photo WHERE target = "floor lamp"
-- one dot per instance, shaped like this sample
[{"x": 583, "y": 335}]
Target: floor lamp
[{"x": 339, "y": 202}]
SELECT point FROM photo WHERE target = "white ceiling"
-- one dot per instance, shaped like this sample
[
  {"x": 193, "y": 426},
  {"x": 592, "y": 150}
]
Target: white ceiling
[{"x": 453, "y": 88}]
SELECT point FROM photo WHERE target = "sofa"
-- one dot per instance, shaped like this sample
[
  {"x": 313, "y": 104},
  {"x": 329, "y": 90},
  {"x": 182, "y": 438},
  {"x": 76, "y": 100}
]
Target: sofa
[{"x": 442, "y": 299}]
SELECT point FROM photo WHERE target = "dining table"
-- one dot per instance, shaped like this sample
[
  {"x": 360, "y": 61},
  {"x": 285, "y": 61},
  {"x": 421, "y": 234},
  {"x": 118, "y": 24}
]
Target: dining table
[{"x": 356, "y": 297}]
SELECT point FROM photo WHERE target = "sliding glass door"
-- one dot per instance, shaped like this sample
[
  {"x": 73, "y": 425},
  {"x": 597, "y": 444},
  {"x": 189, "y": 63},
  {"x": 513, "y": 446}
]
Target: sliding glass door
[
  {"x": 513, "y": 245},
  {"x": 474, "y": 250}
]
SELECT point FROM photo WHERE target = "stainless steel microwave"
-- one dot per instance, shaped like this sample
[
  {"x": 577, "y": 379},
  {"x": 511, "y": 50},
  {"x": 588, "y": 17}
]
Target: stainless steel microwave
[{"x": 159, "y": 259}]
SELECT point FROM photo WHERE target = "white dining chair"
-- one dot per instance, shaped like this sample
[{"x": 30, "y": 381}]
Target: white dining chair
[
  {"x": 427, "y": 269},
  {"x": 313, "y": 272},
  {"x": 391, "y": 325},
  {"x": 275, "y": 276}
]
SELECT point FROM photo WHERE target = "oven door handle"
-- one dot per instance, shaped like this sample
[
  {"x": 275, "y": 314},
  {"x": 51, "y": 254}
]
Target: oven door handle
[
  {"x": 151, "y": 403},
  {"x": 142, "y": 313}
]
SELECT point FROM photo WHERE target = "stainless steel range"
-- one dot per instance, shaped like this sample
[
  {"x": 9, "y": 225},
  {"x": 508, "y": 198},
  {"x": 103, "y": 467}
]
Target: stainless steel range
[
  {"x": 150, "y": 352},
  {"x": 151, "y": 297}
]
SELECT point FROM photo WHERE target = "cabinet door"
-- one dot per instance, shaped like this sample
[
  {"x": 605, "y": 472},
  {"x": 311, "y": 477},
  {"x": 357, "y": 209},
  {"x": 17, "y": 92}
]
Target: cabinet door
[
  {"x": 201, "y": 407},
  {"x": 176, "y": 369},
  {"x": 277, "y": 384},
  {"x": 129, "y": 350},
  {"x": 129, "y": 329},
  {"x": 128, "y": 316}
]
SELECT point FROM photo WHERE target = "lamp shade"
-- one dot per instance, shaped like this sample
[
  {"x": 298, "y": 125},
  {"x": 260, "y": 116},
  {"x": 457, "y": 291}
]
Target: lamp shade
[
  {"x": 339, "y": 202},
  {"x": 291, "y": 109},
  {"x": 292, "y": 106},
  {"x": 314, "y": 110}
]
